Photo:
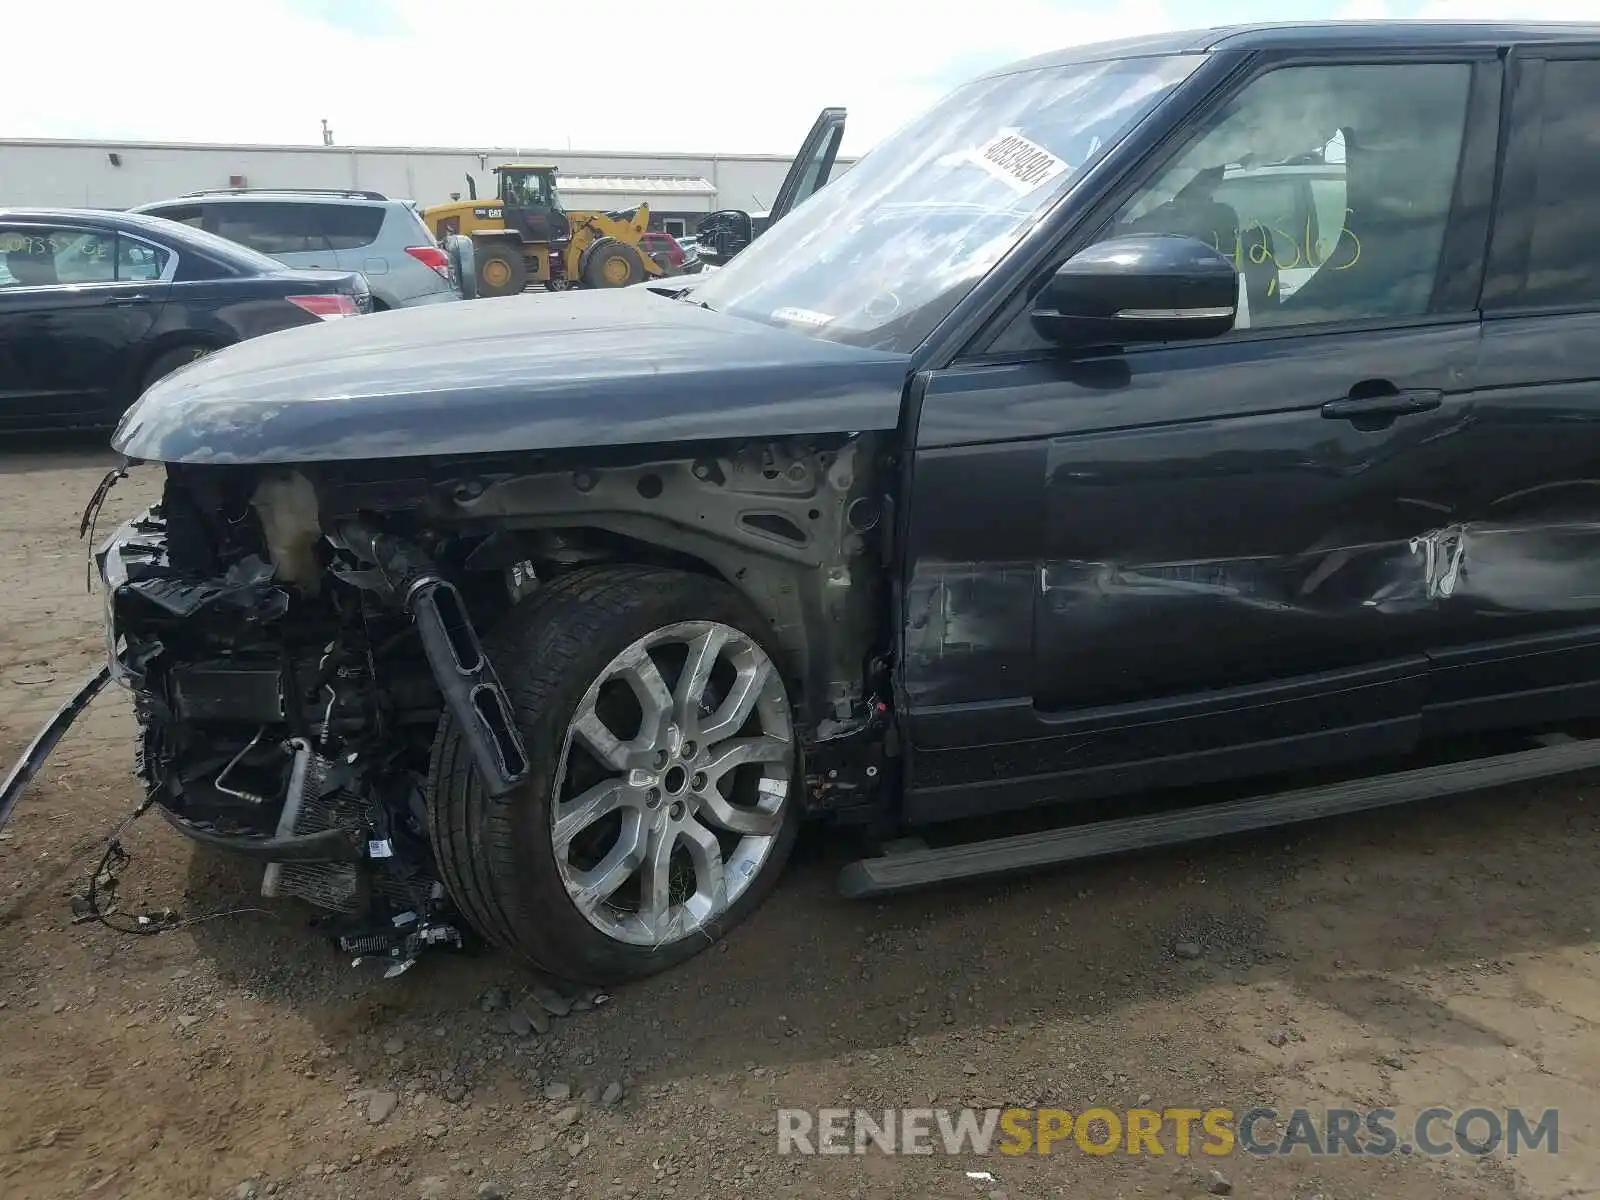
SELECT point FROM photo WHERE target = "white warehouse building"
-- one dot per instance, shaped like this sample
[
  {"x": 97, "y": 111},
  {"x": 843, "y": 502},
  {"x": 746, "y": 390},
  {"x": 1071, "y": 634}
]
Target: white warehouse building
[{"x": 99, "y": 174}]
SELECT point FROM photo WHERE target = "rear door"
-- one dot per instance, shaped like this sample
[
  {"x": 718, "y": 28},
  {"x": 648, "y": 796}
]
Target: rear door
[
  {"x": 77, "y": 306},
  {"x": 813, "y": 166},
  {"x": 352, "y": 230},
  {"x": 1519, "y": 561}
]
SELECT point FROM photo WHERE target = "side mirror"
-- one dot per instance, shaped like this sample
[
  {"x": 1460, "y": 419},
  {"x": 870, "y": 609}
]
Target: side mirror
[
  {"x": 1135, "y": 290},
  {"x": 723, "y": 234}
]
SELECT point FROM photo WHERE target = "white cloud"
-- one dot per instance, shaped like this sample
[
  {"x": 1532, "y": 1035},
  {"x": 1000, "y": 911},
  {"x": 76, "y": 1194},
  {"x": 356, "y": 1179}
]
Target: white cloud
[{"x": 736, "y": 75}]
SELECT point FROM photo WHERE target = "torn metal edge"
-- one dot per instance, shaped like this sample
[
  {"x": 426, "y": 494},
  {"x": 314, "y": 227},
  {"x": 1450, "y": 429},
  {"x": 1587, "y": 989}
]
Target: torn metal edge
[{"x": 34, "y": 756}]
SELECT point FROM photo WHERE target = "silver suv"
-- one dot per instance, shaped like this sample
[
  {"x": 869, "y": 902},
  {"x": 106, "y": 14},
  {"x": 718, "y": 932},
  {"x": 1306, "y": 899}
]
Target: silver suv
[{"x": 384, "y": 239}]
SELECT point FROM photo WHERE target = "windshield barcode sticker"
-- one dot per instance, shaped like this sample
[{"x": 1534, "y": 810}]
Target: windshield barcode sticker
[
  {"x": 801, "y": 316},
  {"x": 1022, "y": 165}
]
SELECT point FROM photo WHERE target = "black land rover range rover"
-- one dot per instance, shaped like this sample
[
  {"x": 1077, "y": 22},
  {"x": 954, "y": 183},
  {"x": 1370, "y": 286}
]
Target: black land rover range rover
[{"x": 1192, "y": 410}]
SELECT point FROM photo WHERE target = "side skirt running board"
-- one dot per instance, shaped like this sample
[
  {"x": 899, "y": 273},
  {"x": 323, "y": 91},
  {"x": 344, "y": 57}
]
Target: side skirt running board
[{"x": 909, "y": 869}]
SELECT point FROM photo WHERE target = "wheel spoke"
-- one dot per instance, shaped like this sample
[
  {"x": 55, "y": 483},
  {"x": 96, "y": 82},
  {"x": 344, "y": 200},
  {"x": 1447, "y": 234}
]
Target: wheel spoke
[
  {"x": 711, "y": 884},
  {"x": 741, "y": 699},
  {"x": 691, "y": 690},
  {"x": 739, "y": 751},
  {"x": 579, "y": 813},
  {"x": 655, "y": 881},
  {"x": 645, "y": 679},
  {"x": 716, "y": 808},
  {"x": 603, "y": 879},
  {"x": 589, "y": 729}
]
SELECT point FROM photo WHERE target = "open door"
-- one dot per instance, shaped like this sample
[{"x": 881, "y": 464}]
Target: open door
[
  {"x": 723, "y": 234},
  {"x": 813, "y": 165}
]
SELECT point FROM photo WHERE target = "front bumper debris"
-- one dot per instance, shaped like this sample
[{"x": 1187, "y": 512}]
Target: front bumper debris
[{"x": 39, "y": 749}]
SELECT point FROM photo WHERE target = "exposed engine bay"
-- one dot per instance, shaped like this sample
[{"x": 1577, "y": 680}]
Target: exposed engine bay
[{"x": 294, "y": 637}]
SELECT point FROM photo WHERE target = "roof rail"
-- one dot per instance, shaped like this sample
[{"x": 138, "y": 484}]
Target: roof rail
[{"x": 353, "y": 193}]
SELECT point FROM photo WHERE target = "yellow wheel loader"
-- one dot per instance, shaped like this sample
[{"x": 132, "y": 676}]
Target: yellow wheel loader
[{"x": 525, "y": 236}]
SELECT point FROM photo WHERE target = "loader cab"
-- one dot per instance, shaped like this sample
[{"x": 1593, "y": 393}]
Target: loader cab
[
  {"x": 723, "y": 234},
  {"x": 530, "y": 203}
]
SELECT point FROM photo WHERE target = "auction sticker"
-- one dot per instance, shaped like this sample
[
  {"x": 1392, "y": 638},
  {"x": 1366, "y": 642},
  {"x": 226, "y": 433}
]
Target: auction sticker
[
  {"x": 801, "y": 316},
  {"x": 1022, "y": 165}
]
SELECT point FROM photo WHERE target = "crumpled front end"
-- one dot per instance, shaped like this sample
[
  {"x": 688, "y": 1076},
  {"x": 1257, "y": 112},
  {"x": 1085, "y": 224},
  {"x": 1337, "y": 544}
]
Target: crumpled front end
[
  {"x": 302, "y": 643},
  {"x": 287, "y": 697}
]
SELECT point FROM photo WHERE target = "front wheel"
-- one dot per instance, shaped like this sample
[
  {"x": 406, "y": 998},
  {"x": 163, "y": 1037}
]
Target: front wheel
[
  {"x": 660, "y": 808},
  {"x": 613, "y": 264},
  {"x": 500, "y": 270}
]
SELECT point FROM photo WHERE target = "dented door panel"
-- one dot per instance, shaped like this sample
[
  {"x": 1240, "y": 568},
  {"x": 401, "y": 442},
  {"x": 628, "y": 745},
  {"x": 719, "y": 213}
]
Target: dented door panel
[{"x": 1220, "y": 568}]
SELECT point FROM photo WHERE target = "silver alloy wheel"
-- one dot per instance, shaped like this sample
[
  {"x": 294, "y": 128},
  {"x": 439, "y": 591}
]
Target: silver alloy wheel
[{"x": 678, "y": 816}]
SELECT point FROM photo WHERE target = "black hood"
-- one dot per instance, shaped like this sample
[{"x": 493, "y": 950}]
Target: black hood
[{"x": 534, "y": 372}]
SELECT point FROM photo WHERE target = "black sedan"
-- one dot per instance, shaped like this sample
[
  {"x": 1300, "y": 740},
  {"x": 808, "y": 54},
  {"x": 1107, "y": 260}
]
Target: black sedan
[{"x": 96, "y": 306}]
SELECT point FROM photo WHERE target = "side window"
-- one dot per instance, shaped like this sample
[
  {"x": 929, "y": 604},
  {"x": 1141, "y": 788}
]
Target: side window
[
  {"x": 348, "y": 226},
  {"x": 1330, "y": 188},
  {"x": 139, "y": 261},
  {"x": 38, "y": 257},
  {"x": 270, "y": 228},
  {"x": 198, "y": 268},
  {"x": 1564, "y": 255},
  {"x": 184, "y": 214}
]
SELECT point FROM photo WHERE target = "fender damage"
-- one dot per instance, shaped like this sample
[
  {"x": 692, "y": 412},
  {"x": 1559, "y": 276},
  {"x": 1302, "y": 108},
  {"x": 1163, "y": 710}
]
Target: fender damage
[{"x": 291, "y": 636}]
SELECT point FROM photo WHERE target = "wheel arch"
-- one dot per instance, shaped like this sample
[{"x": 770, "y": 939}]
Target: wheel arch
[
  {"x": 176, "y": 339},
  {"x": 794, "y": 529}
]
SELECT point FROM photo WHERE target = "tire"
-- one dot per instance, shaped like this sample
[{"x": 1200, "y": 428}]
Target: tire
[
  {"x": 613, "y": 264},
  {"x": 499, "y": 268},
  {"x": 463, "y": 266},
  {"x": 498, "y": 857},
  {"x": 168, "y": 361}
]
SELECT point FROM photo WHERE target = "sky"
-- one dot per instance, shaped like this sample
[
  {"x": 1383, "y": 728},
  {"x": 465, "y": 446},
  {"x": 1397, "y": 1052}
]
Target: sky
[{"x": 720, "y": 76}]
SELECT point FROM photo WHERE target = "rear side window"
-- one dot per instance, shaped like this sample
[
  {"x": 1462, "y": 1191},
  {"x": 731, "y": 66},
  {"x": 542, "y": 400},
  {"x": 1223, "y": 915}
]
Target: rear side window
[
  {"x": 1564, "y": 254},
  {"x": 270, "y": 228},
  {"x": 201, "y": 268},
  {"x": 184, "y": 214},
  {"x": 348, "y": 226},
  {"x": 140, "y": 261}
]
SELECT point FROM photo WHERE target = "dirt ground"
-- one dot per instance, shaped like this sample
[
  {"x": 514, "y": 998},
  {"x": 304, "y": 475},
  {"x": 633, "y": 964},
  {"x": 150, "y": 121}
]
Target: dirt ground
[{"x": 1445, "y": 956}]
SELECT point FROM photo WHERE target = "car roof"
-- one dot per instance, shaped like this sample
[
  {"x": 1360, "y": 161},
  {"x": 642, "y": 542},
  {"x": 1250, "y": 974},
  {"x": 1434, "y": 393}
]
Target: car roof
[
  {"x": 1319, "y": 35},
  {"x": 286, "y": 196},
  {"x": 131, "y": 222}
]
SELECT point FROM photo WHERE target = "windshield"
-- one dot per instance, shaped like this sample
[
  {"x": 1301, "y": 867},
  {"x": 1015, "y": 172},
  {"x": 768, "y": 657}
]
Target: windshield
[{"x": 883, "y": 253}]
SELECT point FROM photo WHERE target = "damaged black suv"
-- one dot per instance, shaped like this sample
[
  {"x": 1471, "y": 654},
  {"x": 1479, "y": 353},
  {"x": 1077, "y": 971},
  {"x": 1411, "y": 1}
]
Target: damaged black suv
[{"x": 1184, "y": 411}]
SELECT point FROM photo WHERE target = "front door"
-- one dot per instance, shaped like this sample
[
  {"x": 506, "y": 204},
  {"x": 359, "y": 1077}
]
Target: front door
[
  {"x": 1209, "y": 560},
  {"x": 75, "y": 308},
  {"x": 813, "y": 166}
]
